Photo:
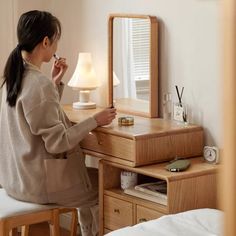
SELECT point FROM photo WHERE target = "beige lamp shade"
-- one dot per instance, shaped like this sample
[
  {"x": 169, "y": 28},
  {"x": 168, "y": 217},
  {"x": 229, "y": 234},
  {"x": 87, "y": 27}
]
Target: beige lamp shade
[{"x": 84, "y": 79}]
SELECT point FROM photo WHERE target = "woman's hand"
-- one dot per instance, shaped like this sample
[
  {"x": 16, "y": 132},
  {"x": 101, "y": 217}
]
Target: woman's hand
[
  {"x": 105, "y": 116},
  {"x": 58, "y": 70}
]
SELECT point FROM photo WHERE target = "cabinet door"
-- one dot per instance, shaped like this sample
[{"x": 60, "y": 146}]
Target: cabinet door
[
  {"x": 145, "y": 214},
  {"x": 117, "y": 213}
]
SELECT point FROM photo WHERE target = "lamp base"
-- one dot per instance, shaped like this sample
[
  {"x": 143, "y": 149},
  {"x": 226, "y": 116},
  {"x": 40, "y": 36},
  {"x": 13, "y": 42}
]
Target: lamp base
[{"x": 84, "y": 105}]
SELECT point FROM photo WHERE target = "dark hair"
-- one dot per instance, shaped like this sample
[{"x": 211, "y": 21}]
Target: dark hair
[{"x": 32, "y": 28}]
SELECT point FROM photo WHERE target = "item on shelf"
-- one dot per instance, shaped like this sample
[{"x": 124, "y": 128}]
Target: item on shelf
[
  {"x": 178, "y": 165},
  {"x": 211, "y": 154},
  {"x": 180, "y": 112},
  {"x": 146, "y": 196},
  {"x": 128, "y": 179},
  {"x": 179, "y": 108},
  {"x": 158, "y": 189},
  {"x": 167, "y": 106}
]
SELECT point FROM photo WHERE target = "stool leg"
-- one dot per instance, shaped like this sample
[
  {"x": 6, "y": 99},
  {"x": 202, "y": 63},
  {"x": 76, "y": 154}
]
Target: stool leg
[
  {"x": 13, "y": 232},
  {"x": 25, "y": 230},
  {"x": 3, "y": 229},
  {"x": 54, "y": 230},
  {"x": 74, "y": 222},
  {"x": 54, "y": 225}
]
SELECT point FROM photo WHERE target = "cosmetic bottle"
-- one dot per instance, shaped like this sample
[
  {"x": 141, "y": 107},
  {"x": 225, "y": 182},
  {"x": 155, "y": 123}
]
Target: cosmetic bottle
[{"x": 167, "y": 106}]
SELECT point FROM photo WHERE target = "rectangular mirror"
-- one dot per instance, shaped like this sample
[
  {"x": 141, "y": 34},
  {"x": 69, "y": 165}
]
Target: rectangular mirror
[{"x": 133, "y": 64}]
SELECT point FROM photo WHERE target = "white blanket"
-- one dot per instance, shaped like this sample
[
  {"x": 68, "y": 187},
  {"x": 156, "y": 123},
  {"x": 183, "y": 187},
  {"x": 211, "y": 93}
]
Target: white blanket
[{"x": 200, "y": 222}]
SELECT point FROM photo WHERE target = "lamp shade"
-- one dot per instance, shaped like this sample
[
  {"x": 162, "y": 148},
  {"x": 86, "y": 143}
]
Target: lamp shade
[{"x": 84, "y": 77}]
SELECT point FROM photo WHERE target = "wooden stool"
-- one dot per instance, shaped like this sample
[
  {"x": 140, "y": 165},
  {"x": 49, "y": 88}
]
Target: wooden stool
[{"x": 14, "y": 213}]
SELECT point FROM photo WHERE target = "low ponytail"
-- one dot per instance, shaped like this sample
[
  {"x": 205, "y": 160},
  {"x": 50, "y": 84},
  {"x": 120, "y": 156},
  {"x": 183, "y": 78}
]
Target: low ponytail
[
  {"x": 13, "y": 74},
  {"x": 32, "y": 28}
]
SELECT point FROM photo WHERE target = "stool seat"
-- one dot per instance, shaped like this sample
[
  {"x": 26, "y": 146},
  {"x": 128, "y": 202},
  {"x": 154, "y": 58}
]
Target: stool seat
[
  {"x": 11, "y": 207},
  {"x": 14, "y": 214}
]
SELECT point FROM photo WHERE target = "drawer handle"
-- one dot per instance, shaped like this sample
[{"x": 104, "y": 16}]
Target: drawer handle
[
  {"x": 142, "y": 220},
  {"x": 99, "y": 141},
  {"x": 117, "y": 211}
]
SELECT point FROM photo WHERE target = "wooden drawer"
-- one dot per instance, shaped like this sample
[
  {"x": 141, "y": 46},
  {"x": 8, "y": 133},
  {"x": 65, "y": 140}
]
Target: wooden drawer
[
  {"x": 117, "y": 213},
  {"x": 145, "y": 214},
  {"x": 142, "y": 151},
  {"x": 108, "y": 144}
]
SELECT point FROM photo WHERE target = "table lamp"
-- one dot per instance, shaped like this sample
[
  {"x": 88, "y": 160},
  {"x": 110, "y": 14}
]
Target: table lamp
[{"x": 84, "y": 80}]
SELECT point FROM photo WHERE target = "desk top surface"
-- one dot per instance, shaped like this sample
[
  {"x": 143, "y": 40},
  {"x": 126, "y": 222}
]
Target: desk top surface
[{"x": 142, "y": 126}]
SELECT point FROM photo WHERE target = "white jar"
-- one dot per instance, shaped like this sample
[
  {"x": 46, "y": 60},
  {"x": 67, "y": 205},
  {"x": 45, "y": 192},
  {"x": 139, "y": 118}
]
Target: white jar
[{"x": 128, "y": 179}]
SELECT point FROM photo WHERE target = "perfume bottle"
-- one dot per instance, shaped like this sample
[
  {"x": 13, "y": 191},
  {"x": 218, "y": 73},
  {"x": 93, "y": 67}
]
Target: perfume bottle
[{"x": 167, "y": 106}]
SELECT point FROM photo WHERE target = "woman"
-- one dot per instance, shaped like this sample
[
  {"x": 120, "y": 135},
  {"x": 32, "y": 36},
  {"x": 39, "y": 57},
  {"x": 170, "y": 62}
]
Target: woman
[{"x": 40, "y": 158}]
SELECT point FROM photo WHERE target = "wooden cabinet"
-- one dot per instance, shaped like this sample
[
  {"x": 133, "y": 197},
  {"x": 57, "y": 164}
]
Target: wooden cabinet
[
  {"x": 144, "y": 214},
  {"x": 191, "y": 189},
  {"x": 137, "y": 148},
  {"x": 121, "y": 213},
  {"x": 117, "y": 213}
]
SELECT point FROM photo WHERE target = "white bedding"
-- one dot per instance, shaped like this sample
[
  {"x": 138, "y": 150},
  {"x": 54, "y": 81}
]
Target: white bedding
[{"x": 200, "y": 222}]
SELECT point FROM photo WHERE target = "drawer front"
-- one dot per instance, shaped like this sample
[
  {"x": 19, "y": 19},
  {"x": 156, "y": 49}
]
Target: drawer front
[
  {"x": 110, "y": 145},
  {"x": 117, "y": 213},
  {"x": 145, "y": 214}
]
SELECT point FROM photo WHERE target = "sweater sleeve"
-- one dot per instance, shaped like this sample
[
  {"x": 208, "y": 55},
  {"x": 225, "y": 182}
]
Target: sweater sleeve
[
  {"x": 44, "y": 120},
  {"x": 60, "y": 88}
]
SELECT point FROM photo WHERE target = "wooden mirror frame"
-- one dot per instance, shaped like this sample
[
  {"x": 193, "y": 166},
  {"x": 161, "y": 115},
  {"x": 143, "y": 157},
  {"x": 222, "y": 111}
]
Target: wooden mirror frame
[{"x": 153, "y": 87}]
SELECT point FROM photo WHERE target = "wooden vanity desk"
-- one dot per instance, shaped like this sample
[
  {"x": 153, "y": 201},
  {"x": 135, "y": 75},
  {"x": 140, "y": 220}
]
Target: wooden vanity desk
[
  {"x": 143, "y": 148},
  {"x": 147, "y": 141}
]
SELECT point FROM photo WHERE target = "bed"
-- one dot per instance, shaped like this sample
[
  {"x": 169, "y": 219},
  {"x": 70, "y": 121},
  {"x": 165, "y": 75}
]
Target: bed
[{"x": 200, "y": 222}]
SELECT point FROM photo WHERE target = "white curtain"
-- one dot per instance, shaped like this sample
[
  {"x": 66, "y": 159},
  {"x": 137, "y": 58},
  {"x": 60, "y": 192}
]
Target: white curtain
[
  {"x": 128, "y": 83},
  {"x": 132, "y": 57},
  {"x": 123, "y": 58}
]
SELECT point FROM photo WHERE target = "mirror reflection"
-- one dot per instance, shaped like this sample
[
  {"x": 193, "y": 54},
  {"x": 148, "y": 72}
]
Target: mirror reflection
[{"x": 131, "y": 62}]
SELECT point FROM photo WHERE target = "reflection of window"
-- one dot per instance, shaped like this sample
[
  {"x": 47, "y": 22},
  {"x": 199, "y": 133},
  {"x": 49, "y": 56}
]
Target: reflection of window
[
  {"x": 140, "y": 41},
  {"x": 131, "y": 54}
]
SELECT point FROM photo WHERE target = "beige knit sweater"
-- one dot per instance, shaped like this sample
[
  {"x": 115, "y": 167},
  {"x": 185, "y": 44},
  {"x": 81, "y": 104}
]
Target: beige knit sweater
[{"x": 40, "y": 160}]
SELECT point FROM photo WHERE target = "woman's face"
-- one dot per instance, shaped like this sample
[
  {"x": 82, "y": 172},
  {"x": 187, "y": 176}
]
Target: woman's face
[{"x": 51, "y": 49}]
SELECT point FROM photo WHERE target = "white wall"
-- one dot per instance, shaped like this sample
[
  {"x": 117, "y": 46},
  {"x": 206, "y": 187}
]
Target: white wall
[
  {"x": 190, "y": 47},
  {"x": 6, "y": 33},
  {"x": 189, "y": 56},
  {"x": 9, "y": 14}
]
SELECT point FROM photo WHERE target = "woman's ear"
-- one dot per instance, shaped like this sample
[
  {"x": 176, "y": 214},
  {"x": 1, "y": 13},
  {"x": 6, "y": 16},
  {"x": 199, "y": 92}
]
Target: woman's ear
[{"x": 46, "y": 42}]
